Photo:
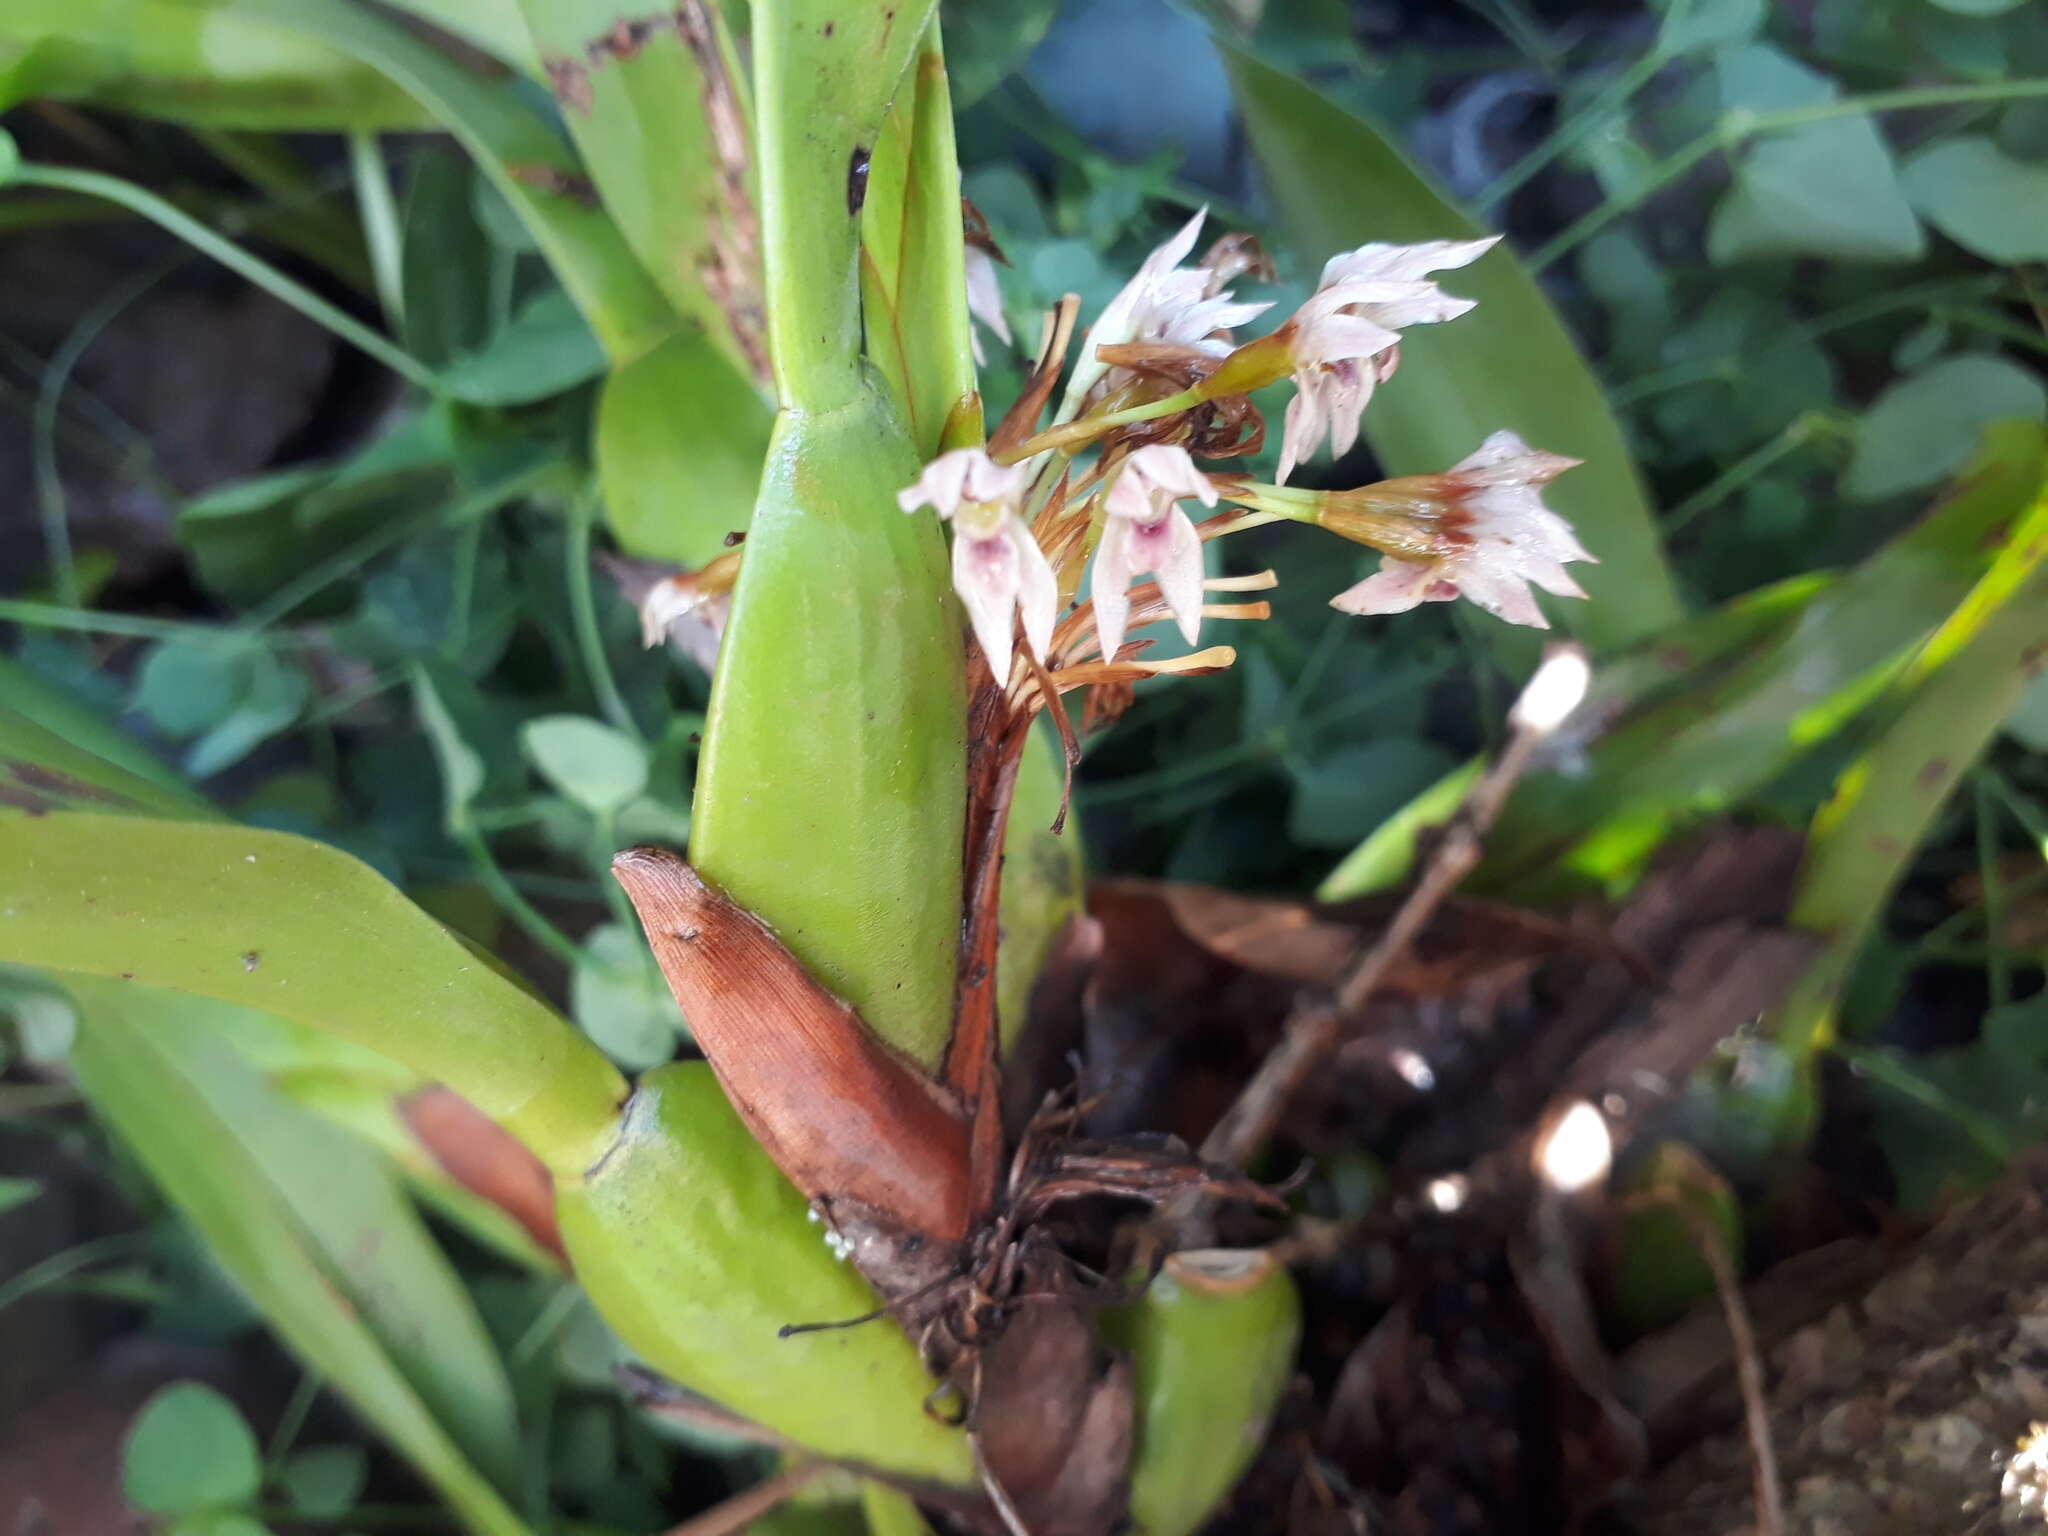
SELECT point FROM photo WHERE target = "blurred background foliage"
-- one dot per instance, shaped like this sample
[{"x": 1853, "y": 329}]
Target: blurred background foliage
[{"x": 1777, "y": 270}]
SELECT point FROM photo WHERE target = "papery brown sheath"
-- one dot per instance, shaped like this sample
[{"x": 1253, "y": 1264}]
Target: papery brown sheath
[{"x": 843, "y": 1116}]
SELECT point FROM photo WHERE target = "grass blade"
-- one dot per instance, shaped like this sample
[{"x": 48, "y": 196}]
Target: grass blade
[
  {"x": 313, "y": 1229},
  {"x": 300, "y": 929}
]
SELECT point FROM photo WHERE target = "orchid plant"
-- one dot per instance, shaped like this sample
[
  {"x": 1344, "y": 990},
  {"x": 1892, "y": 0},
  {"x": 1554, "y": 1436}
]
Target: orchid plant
[
  {"x": 957, "y": 1222},
  {"x": 826, "y": 1231}
]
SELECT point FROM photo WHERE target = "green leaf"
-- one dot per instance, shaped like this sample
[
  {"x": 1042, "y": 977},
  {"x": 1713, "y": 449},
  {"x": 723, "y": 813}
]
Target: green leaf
[
  {"x": 292, "y": 1211},
  {"x": 1983, "y": 199},
  {"x": 913, "y": 275},
  {"x": 324, "y": 1480},
  {"x": 517, "y": 148},
  {"x": 1937, "y": 717},
  {"x": 1337, "y": 183},
  {"x": 462, "y": 768},
  {"x": 217, "y": 1522},
  {"x": 44, "y": 1021},
  {"x": 598, "y": 766},
  {"x": 620, "y": 1000},
  {"x": 546, "y": 349},
  {"x": 273, "y": 695},
  {"x": 444, "y": 259},
  {"x": 189, "y": 1450},
  {"x": 831, "y": 793},
  {"x": 824, "y": 74},
  {"x": 14, "y": 1192},
  {"x": 1919, "y": 430},
  {"x": 1703, "y": 717},
  {"x": 288, "y": 925},
  {"x": 61, "y": 749},
  {"x": 2028, "y": 722},
  {"x": 1340, "y": 798},
  {"x": 662, "y": 128},
  {"x": 494, "y": 26},
  {"x": 1383, "y": 860},
  {"x": 191, "y": 64},
  {"x": 232, "y": 692},
  {"x": 253, "y": 537},
  {"x": 1044, "y": 879},
  {"x": 1693, "y": 25},
  {"x": 681, "y": 435},
  {"x": 1657, "y": 1272},
  {"x": 187, "y": 686},
  {"x": 359, "y": 1091},
  {"x": 988, "y": 40},
  {"x": 1823, "y": 189}
]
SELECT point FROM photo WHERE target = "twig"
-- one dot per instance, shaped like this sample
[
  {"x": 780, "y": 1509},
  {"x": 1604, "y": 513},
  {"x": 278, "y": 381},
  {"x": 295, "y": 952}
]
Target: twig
[
  {"x": 742, "y": 1509},
  {"x": 1749, "y": 1373},
  {"x": 1312, "y": 1029}
]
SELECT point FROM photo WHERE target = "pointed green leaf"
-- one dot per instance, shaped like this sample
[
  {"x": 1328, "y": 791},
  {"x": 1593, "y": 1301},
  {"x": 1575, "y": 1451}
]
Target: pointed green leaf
[
  {"x": 516, "y": 148},
  {"x": 656, "y": 105},
  {"x": 192, "y": 64},
  {"x": 301, "y": 929},
  {"x": 286, "y": 1204},
  {"x": 1944, "y": 708}
]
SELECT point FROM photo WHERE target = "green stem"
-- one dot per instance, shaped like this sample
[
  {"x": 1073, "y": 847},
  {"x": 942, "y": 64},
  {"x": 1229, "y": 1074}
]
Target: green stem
[
  {"x": 290, "y": 1422},
  {"x": 1075, "y": 434},
  {"x": 589, "y": 638},
  {"x": 823, "y": 76},
  {"x": 378, "y": 207},
  {"x": 50, "y": 500},
  {"x": 59, "y": 1267},
  {"x": 1582, "y": 125},
  {"x": 1728, "y": 366},
  {"x": 515, "y": 905},
  {"x": 127, "y": 625},
  {"x": 1884, "y": 1067},
  {"x": 346, "y": 562},
  {"x": 237, "y": 260},
  {"x": 1739, "y": 474},
  {"x": 299, "y": 215},
  {"x": 1737, "y": 128}
]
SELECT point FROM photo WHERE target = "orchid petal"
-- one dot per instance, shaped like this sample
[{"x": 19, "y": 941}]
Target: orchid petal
[
  {"x": 1396, "y": 587},
  {"x": 1177, "y": 562},
  {"x": 1108, "y": 585},
  {"x": 984, "y": 294},
  {"x": 986, "y": 576},
  {"x": 1038, "y": 591}
]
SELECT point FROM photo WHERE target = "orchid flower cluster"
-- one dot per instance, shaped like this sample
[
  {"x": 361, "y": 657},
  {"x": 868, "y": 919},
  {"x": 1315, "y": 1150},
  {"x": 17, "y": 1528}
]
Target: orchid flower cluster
[{"x": 1160, "y": 382}]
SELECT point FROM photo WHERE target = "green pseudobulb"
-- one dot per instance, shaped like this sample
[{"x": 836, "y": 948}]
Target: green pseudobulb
[{"x": 698, "y": 1251}]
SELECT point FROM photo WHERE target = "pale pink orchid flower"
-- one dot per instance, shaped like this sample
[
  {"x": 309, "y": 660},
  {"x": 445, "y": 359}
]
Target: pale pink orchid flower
[
  {"x": 998, "y": 568},
  {"x": 1346, "y": 336},
  {"x": 1497, "y": 536},
  {"x": 984, "y": 300},
  {"x": 1147, "y": 531},
  {"x": 1163, "y": 302}
]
